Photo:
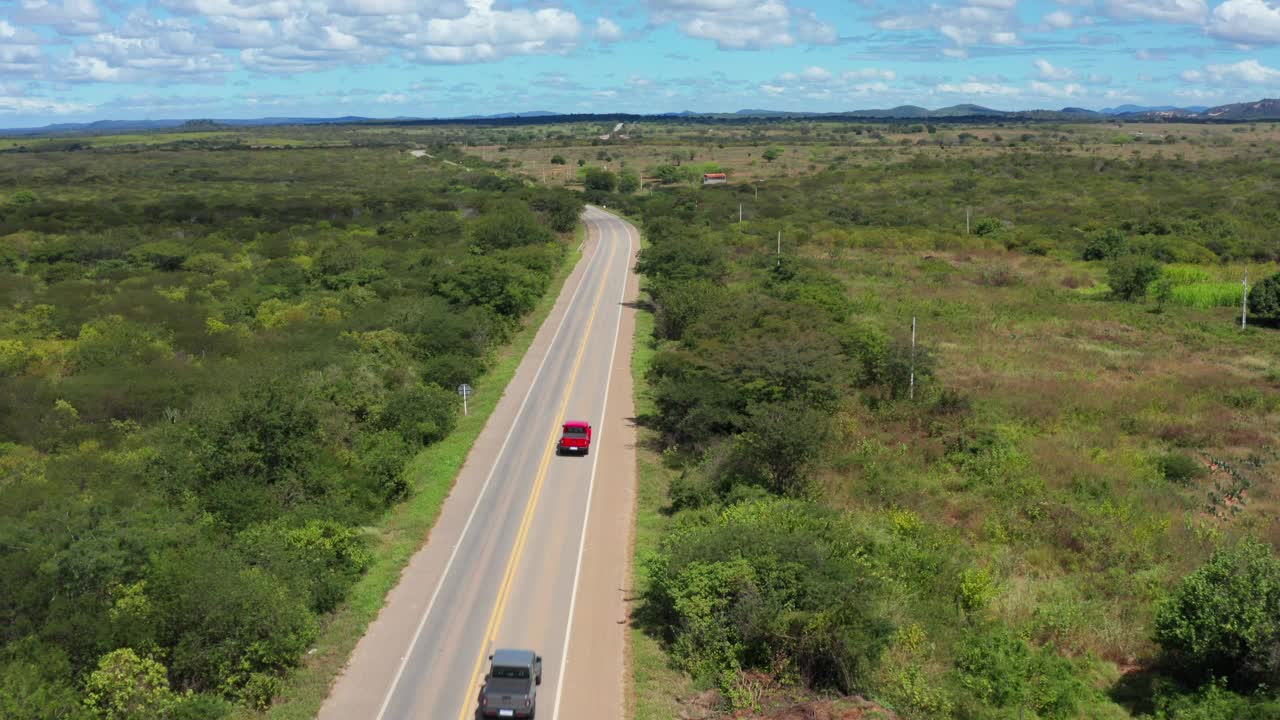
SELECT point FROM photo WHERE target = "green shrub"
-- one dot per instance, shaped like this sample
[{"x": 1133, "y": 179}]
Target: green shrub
[
  {"x": 1001, "y": 670},
  {"x": 1130, "y": 275},
  {"x": 1223, "y": 620},
  {"x": 1180, "y": 468},
  {"x": 763, "y": 581},
  {"x": 1264, "y": 298},
  {"x": 1105, "y": 245},
  {"x": 1211, "y": 702},
  {"x": 125, "y": 687}
]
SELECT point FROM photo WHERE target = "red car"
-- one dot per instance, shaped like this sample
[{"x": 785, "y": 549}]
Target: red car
[{"x": 575, "y": 437}]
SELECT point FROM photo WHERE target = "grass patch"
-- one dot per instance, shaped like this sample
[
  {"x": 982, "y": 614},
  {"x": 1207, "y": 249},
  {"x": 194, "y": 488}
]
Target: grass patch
[
  {"x": 1205, "y": 295},
  {"x": 406, "y": 527},
  {"x": 656, "y": 686}
]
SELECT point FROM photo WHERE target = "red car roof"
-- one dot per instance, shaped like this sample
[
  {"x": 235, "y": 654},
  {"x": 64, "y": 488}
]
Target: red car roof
[{"x": 576, "y": 423}]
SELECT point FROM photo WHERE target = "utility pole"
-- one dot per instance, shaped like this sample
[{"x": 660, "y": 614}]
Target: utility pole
[
  {"x": 756, "y": 188},
  {"x": 966, "y": 220},
  {"x": 779, "y": 242},
  {"x": 1244, "y": 299},
  {"x": 739, "y": 212},
  {"x": 911, "y": 388}
]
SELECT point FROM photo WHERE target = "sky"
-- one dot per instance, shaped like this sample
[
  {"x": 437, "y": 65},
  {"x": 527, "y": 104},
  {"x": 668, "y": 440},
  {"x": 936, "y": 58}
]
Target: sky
[{"x": 80, "y": 60}]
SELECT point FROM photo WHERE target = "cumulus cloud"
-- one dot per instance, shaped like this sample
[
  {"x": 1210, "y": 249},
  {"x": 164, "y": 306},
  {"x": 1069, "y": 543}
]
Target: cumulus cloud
[
  {"x": 1048, "y": 71},
  {"x": 975, "y": 22},
  {"x": 22, "y": 105},
  {"x": 976, "y": 88},
  {"x": 20, "y": 52},
  {"x": 1069, "y": 90},
  {"x": 1171, "y": 11},
  {"x": 70, "y": 17},
  {"x": 1060, "y": 19},
  {"x": 743, "y": 24},
  {"x": 607, "y": 30},
  {"x": 1246, "y": 21},
  {"x": 115, "y": 57},
  {"x": 1243, "y": 73},
  {"x": 486, "y": 33},
  {"x": 869, "y": 74},
  {"x": 205, "y": 37}
]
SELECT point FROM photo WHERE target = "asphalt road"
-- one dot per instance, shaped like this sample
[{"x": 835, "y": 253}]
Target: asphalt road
[{"x": 530, "y": 550}]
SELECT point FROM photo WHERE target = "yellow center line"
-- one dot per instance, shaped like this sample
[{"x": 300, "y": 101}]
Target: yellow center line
[{"x": 504, "y": 590}]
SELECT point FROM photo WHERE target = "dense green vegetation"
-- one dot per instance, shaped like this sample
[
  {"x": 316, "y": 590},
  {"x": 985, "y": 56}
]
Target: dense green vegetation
[
  {"x": 214, "y": 367},
  {"x": 1044, "y": 509}
]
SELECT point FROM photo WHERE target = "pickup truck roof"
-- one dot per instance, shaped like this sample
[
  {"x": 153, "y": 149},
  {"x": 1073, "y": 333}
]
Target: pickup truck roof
[{"x": 514, "y": 658}]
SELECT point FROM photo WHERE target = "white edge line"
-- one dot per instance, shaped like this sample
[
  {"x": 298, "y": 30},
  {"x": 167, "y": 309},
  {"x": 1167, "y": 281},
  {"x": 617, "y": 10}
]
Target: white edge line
[
  {"x": 582, "y": 541},
  {"x": 404, "y": 661}
]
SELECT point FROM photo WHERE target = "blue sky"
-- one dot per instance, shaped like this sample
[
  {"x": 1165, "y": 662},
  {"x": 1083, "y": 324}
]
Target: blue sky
[{"x": 76, "y": 60}]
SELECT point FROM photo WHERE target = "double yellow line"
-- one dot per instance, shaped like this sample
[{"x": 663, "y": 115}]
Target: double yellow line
[{"x": 504, "y": 591}]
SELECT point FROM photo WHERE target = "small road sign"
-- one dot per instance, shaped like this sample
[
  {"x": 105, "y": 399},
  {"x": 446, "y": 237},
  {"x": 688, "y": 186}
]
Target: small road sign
[{"x": 465, "y": 391}]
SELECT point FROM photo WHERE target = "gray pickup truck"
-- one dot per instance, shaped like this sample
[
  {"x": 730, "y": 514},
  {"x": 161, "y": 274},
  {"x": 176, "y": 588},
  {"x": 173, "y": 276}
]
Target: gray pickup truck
[{"x": 511, "y": 687}]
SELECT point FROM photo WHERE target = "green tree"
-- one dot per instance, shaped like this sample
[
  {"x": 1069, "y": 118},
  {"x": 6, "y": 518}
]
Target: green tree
[
  {"x": 508, "y": 225},
  {"x": 36, "y": 683},
  {"x": 771, "y": 153},
  {"x": 1223, "y": 620},
  {"x": 628, "y": 182},
  {"x": 600, "y": 180},
  {"x": 1105, "y": 245},
  {"x": 779, "y": 443},
  {"x": 128, "y": 687},
  {"x": 557, "y": 159},
  {"x": 1130, "y": 275},
  {"x": 1264, "y": 297}
]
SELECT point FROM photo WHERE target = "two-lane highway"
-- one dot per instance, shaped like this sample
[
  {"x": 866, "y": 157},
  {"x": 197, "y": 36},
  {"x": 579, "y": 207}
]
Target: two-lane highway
[{"x": 514, "y": 560}]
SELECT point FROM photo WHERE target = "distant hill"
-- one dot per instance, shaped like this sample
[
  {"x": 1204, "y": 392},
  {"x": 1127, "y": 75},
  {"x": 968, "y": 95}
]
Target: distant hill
[
  {"x": 506, "y": 116},
  {"x": 1259, "y": 110},
  {"x": 1125, "y": 109},
  {"x": 1265, "y": 109}
]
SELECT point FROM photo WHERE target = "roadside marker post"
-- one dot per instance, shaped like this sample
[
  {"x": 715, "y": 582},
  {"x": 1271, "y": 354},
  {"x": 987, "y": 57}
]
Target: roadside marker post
[{"x": 465, "y": 391}]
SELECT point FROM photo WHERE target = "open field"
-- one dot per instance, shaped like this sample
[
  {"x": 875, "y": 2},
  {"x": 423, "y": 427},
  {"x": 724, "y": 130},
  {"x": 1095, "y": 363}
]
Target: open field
[
  {"x": 1067, "y": 460},
  {"x": 812, "y": 146}
]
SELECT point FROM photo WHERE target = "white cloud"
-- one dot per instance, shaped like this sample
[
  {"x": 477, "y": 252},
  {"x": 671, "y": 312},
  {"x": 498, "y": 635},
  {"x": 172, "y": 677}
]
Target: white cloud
[
  {"x": 1172, "y": 11},
  {"x": 1246, "y": 21},
  {"x": 71, "y": 17},
  {"x": 22, "y": 105},
  {"x": 1243, "y": 73},
  {"x": 743, "y": 24},
  {"x": 607, "y": 30},
  {"x": 869, "y": 74},
  {"x": 392, "y": 99},
  {"x": 488, "y": 34},
  {"x": 815, "y": 74},
  {"x": 20, "y": 52},
  {"x": 773, "y": 89},
  {"x": 811, "y": 30},
  {"x": 1048, "y": 71},
  {"x": 1060, "y": 19},
  {"x": 1068, "y": 90},
  {"x": 244, "y": 9},
  {"x": 973, "y": 23},
  {"x": 976, "y": 88},
  {"x": 112, "y": 57}
]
